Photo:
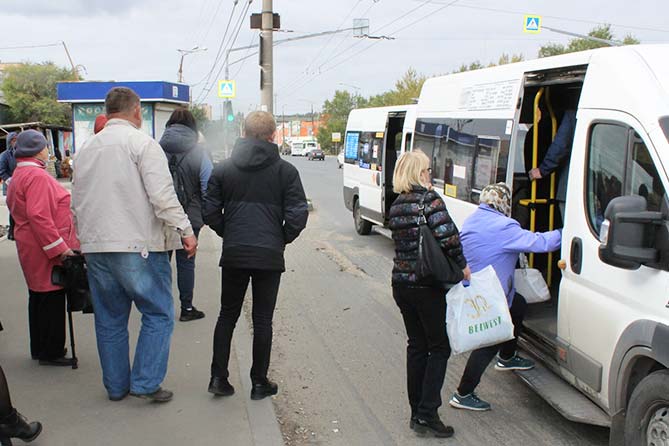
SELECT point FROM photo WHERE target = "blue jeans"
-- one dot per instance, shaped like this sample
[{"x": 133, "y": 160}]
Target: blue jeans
[
  {"x": 186, "y": 276},
  {"x": 117, "y": 280}
]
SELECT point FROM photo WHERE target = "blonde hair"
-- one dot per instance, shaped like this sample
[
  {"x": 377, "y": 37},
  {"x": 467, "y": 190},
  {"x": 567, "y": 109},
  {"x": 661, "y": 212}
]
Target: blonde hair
[
  {"x": 408, "y": 170},
  {"x": 259, "y": 125}
]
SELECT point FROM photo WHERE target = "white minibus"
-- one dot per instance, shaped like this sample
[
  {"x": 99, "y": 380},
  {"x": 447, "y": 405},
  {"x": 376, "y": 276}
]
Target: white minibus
[
  {"x": 602, "y": 340},
  {"x": 298, "y": 148},
  {"x": 374, "y": 139}
]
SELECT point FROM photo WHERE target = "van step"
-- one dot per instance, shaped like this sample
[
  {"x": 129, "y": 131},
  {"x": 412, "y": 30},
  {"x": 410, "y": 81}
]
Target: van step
[
  {"x": 564, "y": 398},
  {"x": 383, "y": 231}
]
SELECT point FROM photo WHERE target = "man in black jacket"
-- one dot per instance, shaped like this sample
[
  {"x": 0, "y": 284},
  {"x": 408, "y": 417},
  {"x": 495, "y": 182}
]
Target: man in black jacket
[{"x": 256, "y": 203}]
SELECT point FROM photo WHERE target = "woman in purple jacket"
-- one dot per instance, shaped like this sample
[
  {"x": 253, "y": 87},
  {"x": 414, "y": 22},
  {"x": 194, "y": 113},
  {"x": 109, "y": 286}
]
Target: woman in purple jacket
[{"x": 491, "y": 237}]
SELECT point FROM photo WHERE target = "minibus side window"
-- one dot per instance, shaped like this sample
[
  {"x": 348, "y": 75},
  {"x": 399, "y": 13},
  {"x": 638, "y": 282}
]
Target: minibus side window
[
  {"x": 644, "y": 179},
  {"x": 351, "y": 147},
  {"x": 607, "y": 154},
  {"x": 365, "y": 150}
]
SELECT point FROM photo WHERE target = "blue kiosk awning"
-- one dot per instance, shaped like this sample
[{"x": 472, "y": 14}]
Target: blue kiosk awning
[{"x": 148, "y": 91}]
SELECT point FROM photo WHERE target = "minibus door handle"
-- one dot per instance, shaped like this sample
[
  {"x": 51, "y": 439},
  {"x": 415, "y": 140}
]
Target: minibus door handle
[{"x": 576, "y": 256}]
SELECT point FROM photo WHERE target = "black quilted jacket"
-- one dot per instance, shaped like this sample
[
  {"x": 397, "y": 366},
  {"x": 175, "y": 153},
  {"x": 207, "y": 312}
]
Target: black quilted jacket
[{"x": 404, "y": 226}]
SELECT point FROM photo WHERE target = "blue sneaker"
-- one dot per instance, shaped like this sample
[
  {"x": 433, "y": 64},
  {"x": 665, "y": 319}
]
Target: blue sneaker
[
  {"x": 515, "y": 363},
  {"x": 469, "y": 402}
]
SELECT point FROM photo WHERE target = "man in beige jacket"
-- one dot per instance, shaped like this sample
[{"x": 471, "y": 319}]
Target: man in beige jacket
[{"x": 128, "y": 218}]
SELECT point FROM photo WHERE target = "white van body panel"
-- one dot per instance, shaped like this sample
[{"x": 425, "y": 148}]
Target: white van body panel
[
  {"x": 370, "y": 183},
  {"x": 623, "y": 84}
]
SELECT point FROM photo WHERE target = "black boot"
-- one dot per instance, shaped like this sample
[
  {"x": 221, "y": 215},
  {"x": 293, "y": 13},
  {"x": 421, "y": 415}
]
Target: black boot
[
  {"x": 15, "y": 425},
  {"x": 260, "y": 390}
]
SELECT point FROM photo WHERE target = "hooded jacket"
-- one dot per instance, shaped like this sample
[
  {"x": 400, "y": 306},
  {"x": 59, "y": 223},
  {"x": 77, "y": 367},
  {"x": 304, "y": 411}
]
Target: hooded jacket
[
  {"x": 8, "y": 159},
  {"x": 256, "y": 203},
  {"x": 181, "y": 148}
]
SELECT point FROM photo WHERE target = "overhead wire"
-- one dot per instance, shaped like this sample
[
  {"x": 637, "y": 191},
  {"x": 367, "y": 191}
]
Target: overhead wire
[
  {"x": 229, "y": 46},
  {"x": 303, "y": 76},
  {"x": 335, "y": 63},
  {"x": 26, "y": 47},
  {"x": 207, "y": 77},
  {"x": 567, "y": 19}
]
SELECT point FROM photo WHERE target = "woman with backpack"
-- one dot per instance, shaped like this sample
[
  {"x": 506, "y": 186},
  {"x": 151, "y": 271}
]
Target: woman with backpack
[{"x": 190, "y": 167}]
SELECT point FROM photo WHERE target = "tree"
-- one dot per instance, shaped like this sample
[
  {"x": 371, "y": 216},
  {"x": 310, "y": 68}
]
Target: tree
[
  {"x": 335, "y": 113},
  {"x": 199, "y": 114},
  {"x": 580, "y": 44},
  {"x": 30, "y": 92},
  {"x": 503, "y": 60}
]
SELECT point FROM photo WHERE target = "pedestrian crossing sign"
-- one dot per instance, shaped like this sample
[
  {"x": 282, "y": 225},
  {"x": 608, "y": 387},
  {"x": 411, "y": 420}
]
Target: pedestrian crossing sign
[
  {"x": 226, "y": 89},
  {"x": 532, "y": 24}
]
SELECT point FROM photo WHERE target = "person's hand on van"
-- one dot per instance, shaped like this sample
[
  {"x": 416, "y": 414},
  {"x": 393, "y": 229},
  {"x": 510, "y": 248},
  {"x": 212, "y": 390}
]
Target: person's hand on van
[{"x": 535, "y": 174}]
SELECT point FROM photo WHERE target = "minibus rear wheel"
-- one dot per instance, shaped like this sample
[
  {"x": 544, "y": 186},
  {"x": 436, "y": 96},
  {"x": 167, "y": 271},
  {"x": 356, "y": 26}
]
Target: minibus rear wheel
[
  {"x": 647, "y": 418},
  {"x": 362, "y": 226}
]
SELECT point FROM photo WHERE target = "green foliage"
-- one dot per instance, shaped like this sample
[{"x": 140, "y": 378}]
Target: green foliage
[
  {"x": 503, "y": 60},
  {"x": 30, "y": 92},
  {"x": 579, "y": 44},
  {"x": 335, "y": 113},
  {"x": 199, "y": 114}
]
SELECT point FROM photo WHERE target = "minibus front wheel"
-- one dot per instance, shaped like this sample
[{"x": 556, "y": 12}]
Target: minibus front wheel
[
  {"x": 362, "y": 226},
  {"x": 647, "y": 418}
]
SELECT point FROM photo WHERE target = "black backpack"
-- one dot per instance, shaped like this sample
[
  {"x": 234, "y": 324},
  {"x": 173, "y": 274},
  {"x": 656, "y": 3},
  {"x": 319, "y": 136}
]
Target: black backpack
[{"x": 180, "y": 180}]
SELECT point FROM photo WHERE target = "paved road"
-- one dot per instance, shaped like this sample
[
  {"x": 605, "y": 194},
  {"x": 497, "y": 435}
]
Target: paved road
[{"x": 340, "y": 342}]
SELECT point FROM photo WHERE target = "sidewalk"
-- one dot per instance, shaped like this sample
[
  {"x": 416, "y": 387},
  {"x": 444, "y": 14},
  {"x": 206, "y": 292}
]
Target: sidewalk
[{"x": 73, "y": 405}]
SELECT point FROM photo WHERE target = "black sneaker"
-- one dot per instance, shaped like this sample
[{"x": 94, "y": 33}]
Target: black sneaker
[
  {"x": 433, "y": 427},
  {"x": 190, "y": 314},
  {"x": 262, "y": 390},
  {"x": 220, "y": 386},
  {"x": 159, "y": 396}
]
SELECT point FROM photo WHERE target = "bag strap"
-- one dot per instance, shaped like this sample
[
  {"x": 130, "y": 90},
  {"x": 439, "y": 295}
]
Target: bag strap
[{"x": 421, "y": 210}]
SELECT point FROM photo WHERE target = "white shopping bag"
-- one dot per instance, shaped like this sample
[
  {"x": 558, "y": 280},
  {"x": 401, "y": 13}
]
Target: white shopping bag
[
  {"x": 478, "y": 315},
  {"x": 530, "y": 283}
]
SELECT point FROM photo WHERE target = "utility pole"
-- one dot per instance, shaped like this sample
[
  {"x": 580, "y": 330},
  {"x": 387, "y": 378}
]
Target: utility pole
[
  {"x": 267, "y": 56},
  {"x": 74, "y": 68}
]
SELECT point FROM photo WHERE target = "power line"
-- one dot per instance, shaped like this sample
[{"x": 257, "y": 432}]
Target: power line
[
  {"x": 336, "y": 64},
  {"x": 207, "y": 90},
  {"x": 568, "y": 19},
  {"x": 220, "y": 51},
  {"x": 246, "y": 56},
  {"x": 26, "y": 47},
  {"x": 345, "y": 52}
]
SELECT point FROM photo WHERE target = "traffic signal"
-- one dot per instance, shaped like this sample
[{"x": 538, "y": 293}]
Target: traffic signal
[{"x": 229, "y": 115}]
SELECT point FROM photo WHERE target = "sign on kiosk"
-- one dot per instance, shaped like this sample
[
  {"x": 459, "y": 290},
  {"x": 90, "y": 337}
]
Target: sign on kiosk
[{"x": 226, "y": 89}]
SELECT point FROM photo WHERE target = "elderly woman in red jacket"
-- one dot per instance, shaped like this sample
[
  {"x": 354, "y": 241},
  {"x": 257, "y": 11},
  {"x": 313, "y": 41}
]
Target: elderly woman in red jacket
[{"x": 45, "y": 235}]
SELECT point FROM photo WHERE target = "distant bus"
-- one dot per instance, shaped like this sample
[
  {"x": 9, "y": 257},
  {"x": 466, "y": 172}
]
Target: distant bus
[
  {"x": 375, "y": 137},
  {"x": 302, "y": 147}
]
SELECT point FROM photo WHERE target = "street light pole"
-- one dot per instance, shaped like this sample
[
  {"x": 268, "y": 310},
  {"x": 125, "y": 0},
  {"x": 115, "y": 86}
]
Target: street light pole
[{"x": 195, "y": 49}]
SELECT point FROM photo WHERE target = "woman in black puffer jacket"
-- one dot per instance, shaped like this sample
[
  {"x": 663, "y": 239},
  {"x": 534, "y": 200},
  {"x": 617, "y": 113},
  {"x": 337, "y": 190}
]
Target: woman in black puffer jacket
[{"x": 422, "y": 301}]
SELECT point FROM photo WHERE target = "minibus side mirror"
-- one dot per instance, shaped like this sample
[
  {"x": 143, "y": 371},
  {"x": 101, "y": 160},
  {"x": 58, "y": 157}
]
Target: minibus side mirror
[{"x": 629, "y": 232}]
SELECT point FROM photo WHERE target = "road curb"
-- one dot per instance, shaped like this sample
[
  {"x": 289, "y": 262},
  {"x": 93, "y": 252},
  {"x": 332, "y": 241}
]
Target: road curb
[{"x": 262, "y": 418}]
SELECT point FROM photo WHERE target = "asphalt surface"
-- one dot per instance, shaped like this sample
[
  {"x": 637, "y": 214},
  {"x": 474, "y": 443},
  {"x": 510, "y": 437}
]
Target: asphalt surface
[{"x": 339, "y": 347}]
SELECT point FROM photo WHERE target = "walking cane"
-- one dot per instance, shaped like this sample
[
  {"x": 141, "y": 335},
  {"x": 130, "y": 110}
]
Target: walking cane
[{"x": 75, "y": 361}]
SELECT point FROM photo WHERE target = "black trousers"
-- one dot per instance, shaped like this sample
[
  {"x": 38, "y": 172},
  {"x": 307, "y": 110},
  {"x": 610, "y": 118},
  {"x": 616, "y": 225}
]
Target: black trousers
[
  {"x": 46, "y": 317},
  {"x": 479, "y": 359},
  {"x": 428, "y": 349},
  {"x": 265, "y": 287},
  {"x": 6, "y": 408}
]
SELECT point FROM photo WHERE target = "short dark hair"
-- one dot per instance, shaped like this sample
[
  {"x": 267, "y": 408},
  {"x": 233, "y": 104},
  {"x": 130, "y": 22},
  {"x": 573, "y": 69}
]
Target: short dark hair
[
  {"x": 120, "y": 100},
  {"x": 182, "y": 116}
]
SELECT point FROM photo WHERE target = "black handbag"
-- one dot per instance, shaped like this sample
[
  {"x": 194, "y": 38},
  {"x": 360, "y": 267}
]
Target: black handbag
[
  {"x": 73, "y": 276},
  {"x": 432, "y": 263}
]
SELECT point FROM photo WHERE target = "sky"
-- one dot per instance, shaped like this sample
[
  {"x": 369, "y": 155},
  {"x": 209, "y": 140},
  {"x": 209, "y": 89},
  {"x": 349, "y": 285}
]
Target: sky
[{"x": 138, "y": 40}]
